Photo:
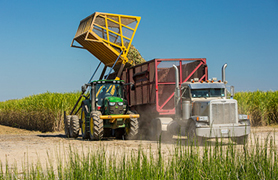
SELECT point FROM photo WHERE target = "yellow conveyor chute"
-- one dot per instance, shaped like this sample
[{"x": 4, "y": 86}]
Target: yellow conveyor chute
[{"x": 106, "y": 35}]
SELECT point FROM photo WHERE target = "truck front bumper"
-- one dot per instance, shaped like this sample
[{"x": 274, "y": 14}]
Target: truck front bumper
[{"x": 223, "y": 131}]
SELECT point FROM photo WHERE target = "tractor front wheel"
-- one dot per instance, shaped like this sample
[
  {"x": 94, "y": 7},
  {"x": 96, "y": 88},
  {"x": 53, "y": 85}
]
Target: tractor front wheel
[
  {"x": 131, "y": 127},
  {"x": 96, "y": 126}
]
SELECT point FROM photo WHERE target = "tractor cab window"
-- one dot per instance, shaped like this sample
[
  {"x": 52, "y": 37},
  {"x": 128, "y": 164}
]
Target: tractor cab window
[
  {"x": 204, "y": 93},
  {"x": 108, "y": 89}
]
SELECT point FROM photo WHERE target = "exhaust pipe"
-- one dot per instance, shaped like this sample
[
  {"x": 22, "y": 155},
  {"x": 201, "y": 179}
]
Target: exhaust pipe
[
  {"x": 177, "y": 94},
  {"x": 224, "y": 73}
]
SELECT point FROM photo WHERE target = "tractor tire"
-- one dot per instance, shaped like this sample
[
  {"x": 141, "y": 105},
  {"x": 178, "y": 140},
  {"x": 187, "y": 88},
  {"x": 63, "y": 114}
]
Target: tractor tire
[
  {"x": 67, "y": 125},
  {"x": 74, "y": 126},
  {"x": 192, "y": 137},
  {"x": 96, "y": 126},
  {"x": 84, "y": 124},
  {"x": 131, "y": 127}
]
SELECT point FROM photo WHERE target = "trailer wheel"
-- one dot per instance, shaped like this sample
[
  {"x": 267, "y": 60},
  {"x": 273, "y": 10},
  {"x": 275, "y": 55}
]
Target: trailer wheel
[
  {"x": 67, "y": 125},
  {"x": 155, "y": 130},
  {"x": 241, "y": 140},
  {"x": 74, "y": 126},
  {"x": 131, "y": 127},
  {"x": 84, "y": 128},
  {"x": 96, "y": 126},
  {"x": 192, "y": 137}
]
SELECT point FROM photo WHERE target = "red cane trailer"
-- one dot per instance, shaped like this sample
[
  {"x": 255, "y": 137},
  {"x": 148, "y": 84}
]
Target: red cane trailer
[{"x": 154, "y": 82}]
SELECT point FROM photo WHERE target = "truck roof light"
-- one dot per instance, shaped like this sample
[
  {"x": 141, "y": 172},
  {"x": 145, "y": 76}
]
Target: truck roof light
[
  {"x": 196, "y": 79},
  {"x": 219, "y": 81},
  {"x": 202, "y": 81}
]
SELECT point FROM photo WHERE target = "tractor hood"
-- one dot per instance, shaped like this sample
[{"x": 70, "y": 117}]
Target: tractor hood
[{"x": 114, "y": 99}]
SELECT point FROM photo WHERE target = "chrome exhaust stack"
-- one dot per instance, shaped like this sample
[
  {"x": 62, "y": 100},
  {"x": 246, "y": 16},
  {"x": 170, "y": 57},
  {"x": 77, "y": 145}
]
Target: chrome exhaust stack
[
  {"x": 224, "y": 73},
  {"x": 177, "y": 94}
]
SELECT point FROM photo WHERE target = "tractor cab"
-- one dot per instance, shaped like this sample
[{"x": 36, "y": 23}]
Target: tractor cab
[{"x": 109, "y": 96}]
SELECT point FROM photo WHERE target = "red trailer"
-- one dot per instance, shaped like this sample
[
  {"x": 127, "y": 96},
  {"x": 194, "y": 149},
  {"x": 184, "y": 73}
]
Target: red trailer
[{"x": 154, "y": 83}]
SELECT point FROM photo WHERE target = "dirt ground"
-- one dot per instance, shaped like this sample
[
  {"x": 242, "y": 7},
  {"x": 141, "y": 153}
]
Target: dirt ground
[{"x": 30, "y": 147}]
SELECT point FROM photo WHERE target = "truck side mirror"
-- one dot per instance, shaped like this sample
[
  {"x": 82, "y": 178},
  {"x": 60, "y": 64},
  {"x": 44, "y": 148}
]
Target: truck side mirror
[{"x": 232, "y": 91}]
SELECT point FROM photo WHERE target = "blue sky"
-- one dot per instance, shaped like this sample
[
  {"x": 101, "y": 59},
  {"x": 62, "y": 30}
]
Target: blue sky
[{"x": 35, "y": 36}]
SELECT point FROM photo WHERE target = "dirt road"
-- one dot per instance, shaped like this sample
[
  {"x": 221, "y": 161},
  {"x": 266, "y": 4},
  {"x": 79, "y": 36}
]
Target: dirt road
[{"x": 22, "y": 146}]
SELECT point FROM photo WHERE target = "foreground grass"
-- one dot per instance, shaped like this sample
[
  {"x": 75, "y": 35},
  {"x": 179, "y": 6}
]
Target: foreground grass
[{"x": 185, "y": 162}]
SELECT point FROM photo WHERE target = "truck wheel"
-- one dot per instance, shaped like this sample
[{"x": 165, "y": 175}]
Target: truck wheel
[
  {"x": 241, "y": 140},
  {"x": 96, "y": 126},
  {"x": 74, "y": 126},
  {"x": 84, "y": 128},
  {"x": 192, "y": 137},
  {"x": 131, "y": 127},
  {"x": 67, "y": 125}
]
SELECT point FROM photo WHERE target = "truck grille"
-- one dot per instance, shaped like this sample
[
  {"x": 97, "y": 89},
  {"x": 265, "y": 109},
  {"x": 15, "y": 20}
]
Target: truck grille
[{"x": 223, "y": 113}]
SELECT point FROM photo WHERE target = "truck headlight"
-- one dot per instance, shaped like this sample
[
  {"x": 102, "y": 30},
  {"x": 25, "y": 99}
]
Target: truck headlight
[
  {"x": 243, "y": 117},
  {"x": 120, "y": 103},
  {"x": 112, "y": 103}
]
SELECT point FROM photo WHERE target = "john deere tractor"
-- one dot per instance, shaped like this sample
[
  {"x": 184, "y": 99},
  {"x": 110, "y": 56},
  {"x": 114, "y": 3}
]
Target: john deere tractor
[{"x": 104, "y": 113}]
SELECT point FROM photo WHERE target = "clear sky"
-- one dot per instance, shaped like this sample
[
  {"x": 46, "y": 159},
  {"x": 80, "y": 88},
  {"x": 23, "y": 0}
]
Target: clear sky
[{"x": 35, "y": 38}]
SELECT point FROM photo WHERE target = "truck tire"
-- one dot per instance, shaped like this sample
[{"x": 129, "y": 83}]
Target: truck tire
[
  {"x": 192, "y": 137},
  {"x": 84, "y": 124},
  {"x": 240, "y": 140},
  {"x": 131, "y": 127},
  {"x": 67, "y": 125},
  {"x": 74, "y": 126},
  {"x": 96, "y": 126}
]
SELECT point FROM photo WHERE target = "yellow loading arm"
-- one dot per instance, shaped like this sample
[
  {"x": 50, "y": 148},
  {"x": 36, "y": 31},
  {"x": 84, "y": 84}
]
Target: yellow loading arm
[{"x": 107, "y": 36}]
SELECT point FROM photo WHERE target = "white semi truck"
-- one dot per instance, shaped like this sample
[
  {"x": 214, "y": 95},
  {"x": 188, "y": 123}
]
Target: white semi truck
[{"x": 207, "y": 112}]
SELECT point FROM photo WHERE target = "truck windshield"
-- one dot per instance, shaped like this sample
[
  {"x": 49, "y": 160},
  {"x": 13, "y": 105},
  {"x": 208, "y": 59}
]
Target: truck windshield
[{"x": 203, "y": 93}]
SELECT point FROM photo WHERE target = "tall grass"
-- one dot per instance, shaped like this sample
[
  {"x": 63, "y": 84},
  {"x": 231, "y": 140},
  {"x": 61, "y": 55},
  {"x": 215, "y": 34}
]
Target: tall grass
[
  {"x": 184, "y": 162},
  {"x": 42, "y": 112},
  {"x": 261, "y": 106}
]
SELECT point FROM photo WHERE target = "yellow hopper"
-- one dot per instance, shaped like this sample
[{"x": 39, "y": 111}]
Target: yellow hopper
[{"x": 106, "y": 36}]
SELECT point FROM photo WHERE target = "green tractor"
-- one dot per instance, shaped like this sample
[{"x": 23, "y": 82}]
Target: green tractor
[{"x": 104, "y": 113}]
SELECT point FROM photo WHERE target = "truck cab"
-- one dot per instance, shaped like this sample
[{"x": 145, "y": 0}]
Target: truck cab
[{"x": 208, "y": 113}]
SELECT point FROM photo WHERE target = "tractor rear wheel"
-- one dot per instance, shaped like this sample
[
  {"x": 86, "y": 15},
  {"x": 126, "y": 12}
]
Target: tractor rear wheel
[
  {"x": 131, "y": 127},
  {"x": 84, "y": 128},
  {"x": 96, "y": 126},
  {"x": 74, "y": 126},
  {"x": 67, "y": 125}
]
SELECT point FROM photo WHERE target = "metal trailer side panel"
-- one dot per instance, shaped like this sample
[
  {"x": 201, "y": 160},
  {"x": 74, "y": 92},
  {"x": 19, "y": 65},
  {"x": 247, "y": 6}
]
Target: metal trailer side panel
[{"x": 155, "y": 83}]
